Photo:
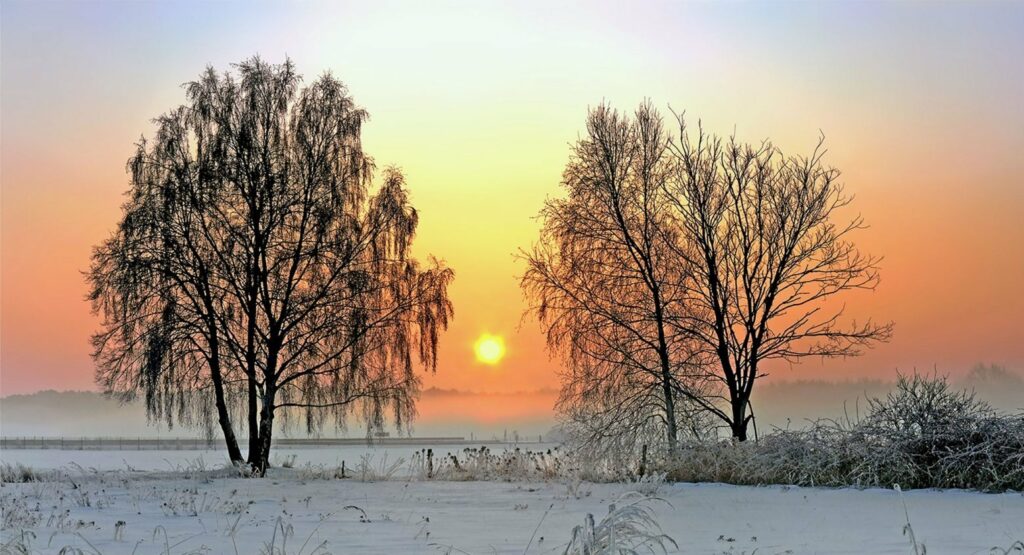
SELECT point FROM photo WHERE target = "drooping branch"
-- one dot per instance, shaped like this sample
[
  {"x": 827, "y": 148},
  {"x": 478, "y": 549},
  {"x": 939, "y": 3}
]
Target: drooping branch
[{"x": 256, "y": 260}]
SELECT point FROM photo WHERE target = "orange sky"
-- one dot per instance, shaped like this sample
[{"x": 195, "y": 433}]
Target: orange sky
[{"x": 478, "y": 103}]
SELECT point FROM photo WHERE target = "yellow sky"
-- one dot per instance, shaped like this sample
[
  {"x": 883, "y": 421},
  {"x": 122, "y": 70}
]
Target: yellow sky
[{"x": 478, "y": 103}]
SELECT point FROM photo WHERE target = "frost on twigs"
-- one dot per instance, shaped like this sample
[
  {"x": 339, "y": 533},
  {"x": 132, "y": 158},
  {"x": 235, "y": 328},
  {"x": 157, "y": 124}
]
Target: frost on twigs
[
  {"x": 628, "y": 528},
  {"x": 923, "y": 435}
]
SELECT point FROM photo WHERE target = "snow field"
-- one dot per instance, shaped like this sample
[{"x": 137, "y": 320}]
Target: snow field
[{"x": 289, "y": 512}]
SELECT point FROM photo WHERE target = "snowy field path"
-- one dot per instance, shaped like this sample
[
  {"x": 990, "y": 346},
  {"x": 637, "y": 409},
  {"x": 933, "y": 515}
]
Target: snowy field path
[{"x": 221, "y": 515}]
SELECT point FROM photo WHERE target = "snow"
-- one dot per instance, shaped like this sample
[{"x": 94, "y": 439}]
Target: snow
[
  {"x": 167, "y": 460},
  {"x": 403, "y": 516}
]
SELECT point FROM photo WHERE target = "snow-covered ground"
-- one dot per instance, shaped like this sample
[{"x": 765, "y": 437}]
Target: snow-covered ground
[
  {"x": 177, "y": 502},
  {"x": 196, "y": 512},
  {"x": 169, "y": 460}
]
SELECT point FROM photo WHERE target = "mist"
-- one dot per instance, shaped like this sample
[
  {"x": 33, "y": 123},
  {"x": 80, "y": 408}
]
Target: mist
[
  {"x": 442, "y": 413},
  {"x": 793, "y": 404},
  {"x": 481, "y": 415}
]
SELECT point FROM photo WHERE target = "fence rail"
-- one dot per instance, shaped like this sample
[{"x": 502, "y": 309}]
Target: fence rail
[{"x": 180, "y": 443}]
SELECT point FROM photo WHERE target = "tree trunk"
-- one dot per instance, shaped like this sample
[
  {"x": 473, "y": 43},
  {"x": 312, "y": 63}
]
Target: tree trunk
[
  {"x": 740, "y": 400},
  {"x": 253, "y": 415},
  {"x": 670, "y": 415},
  {"x": 223, "y": 417},
  {"x": 250, "y": 369},
  {"x": 266, "y": 432},
  {"x": 225, "y": 421},
  {"x": 739, "y": 418},
  {"x": 262, "y": 458},
  {"x": 666, "y": 375}
]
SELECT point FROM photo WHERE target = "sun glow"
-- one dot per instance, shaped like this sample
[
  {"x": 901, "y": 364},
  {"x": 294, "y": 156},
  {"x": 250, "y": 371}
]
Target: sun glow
[{"x": 489, "y": 349}]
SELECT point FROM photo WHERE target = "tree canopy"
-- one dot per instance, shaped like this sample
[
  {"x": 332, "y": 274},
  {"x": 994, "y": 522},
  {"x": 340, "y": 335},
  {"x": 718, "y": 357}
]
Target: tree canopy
[
  {"x": 677, "y": 264},
  {"x": 257, "y": 264}
]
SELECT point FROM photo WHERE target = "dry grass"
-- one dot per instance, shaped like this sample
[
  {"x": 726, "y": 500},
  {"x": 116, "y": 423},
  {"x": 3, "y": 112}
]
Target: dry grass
[
  {"x": 19, "y": 473},
  {"x": 628, "y": 528},
  {"x": 484, "y": 464}
]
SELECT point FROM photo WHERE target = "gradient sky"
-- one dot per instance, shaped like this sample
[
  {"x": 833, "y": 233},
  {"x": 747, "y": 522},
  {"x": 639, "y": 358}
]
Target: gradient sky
[{"x": 922, "y": 104}]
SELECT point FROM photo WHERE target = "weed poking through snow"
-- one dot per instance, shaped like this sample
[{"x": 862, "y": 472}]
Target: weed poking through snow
[{"x": 629, "y": 528}]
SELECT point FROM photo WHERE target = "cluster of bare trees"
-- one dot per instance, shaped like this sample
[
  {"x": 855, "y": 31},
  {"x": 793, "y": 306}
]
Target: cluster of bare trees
[
  {"x": 677, "y": 265},
  {"x": 257, "y": 270}
]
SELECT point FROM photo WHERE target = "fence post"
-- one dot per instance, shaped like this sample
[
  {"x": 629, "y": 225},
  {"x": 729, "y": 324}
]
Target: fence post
[{"x": 643, "y": 460}]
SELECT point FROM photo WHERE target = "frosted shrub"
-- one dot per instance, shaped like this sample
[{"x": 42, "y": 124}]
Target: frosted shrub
[
  {"x": 628, "y": 528},
  {"x": 925, "y": 434},
  {"x": 19, "y": 473},
  {"x": 922, "y": 435},
  {"x": 648, "y": 484},
  {"x": 370, "y": 471}
]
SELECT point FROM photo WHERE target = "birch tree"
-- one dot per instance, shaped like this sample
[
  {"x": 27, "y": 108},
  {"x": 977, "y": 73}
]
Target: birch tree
[{"x": 254, "y": 235}]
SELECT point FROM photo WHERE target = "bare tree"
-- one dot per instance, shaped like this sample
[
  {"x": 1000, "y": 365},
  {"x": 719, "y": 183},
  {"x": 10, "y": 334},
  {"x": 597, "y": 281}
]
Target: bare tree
[
  {"x": 259, "y": 189},
  {"x": 676, "y": 266},
  {"x": 157, "y": 284},
  {"x": 763, "y": 238},
  {"x": 607, "y": 287}
]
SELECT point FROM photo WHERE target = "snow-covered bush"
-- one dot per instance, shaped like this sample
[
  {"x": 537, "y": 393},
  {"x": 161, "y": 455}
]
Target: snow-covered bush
[
  {"x": 19, "y": 473},
  {"x": 648, "y": 484},
  {"x": 628, "y": 528},
  {"x": 369, "y": 470},
  {"x": 924, "y": 434}
]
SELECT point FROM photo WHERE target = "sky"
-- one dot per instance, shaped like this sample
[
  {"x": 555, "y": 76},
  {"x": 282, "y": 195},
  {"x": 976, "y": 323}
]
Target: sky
[{"x": 479, "y": 103}]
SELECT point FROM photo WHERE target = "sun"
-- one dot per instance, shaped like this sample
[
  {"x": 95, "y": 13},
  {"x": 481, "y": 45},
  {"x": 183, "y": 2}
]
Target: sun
[{"x": 489, "y": 349}]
